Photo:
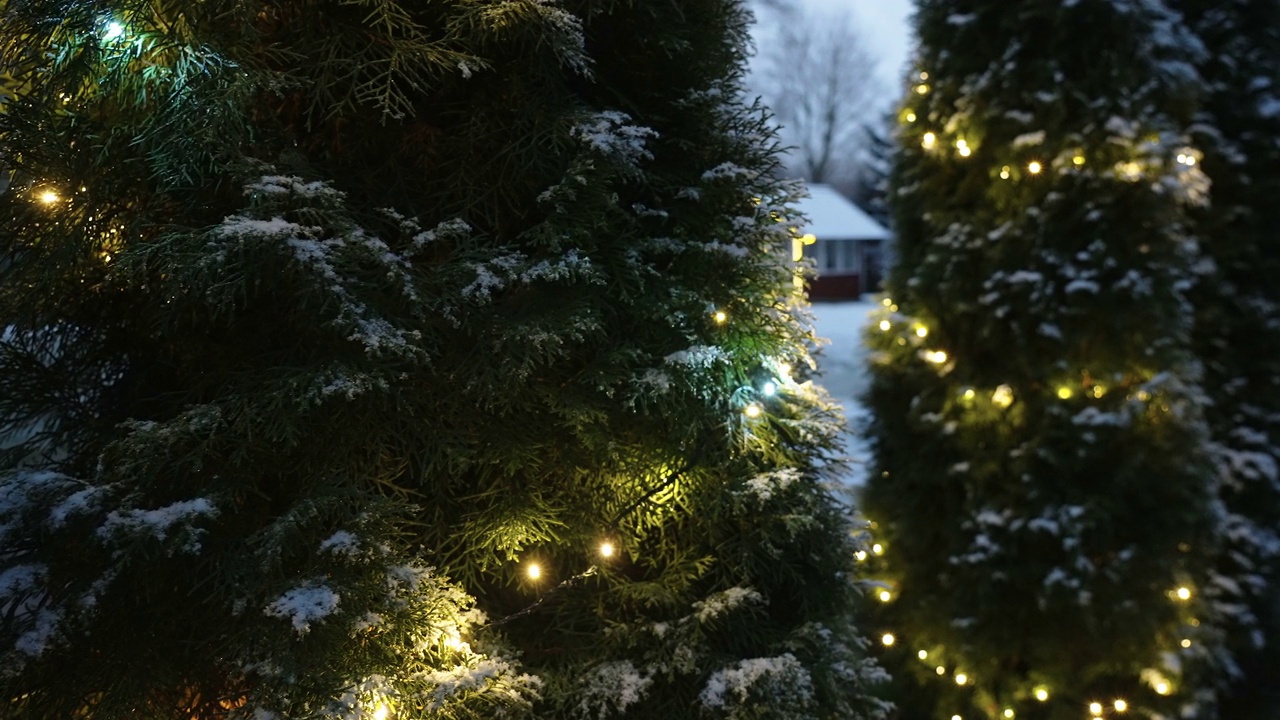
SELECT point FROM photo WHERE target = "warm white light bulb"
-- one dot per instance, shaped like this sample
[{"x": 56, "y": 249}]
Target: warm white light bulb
[
  {"x": 970, "y": 394},
  {"x": 1003, "y": 396},
  {"x": 769, "y": 389},
  {"x": 1162, "y": 688},
  {"x": 112, "y": 30},
  {"x": 1184, "y": 593},
  {"x": 877, "y": 549},
  {"x": 885, "y": 596},
  {"x": 922, "y": 331},
  {"x": 1121, "y": 705},
  {"x": 720, "y": 316},
  {"x": 888, "y": 639},
  {"x": 1065, "y": 392},
  {"x": 965, "y": 151},
  {"x": 607, "y": 549},
  {"x": 534, "y": 571},
  {"x": 922, "y": 89},
  {"x": 922, "y": 654},
  {"x": 49, "y": 197},
  {"x": 929, "y": 140},
  {"x": 1186, "y": 642},
  {"x": 753, "y": 410},
  {"x": 911, "y": 117},
  {"x": 940, "y": 670},
  {"x": 936, "y": 357},
  {"x": 1095, "y": 708},
  {"x": 885, "y": 325},
  {"x": 381, "y": 712},
  {"x": 1005, "y": 172},
  {"x": 860, "y": 555},
  {"x": 1008, "y": 712},
  {"x": 1034, "y": 167},
  {"x": 1042, "y": 694},
  {"x": 961, "y": 678}
]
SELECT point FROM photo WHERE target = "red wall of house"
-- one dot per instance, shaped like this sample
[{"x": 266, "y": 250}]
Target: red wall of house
[{"x": 835, "y": 287}]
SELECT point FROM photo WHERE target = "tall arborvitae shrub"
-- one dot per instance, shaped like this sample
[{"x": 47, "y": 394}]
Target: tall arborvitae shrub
[
  {"x": 1237, "y": 299},
  {"x": 1042, "y": 491},
  {"x": 384, "y": 359}
]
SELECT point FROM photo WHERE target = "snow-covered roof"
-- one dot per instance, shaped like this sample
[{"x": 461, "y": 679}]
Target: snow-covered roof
[{"x": 832, "y": 217}]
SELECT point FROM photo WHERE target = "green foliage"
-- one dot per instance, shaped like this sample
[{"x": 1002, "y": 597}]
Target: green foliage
[
  {"x": 1237, "y": 330},
  {"x": 1043, "y": 477},
  {"x": 323, "y": 322}
]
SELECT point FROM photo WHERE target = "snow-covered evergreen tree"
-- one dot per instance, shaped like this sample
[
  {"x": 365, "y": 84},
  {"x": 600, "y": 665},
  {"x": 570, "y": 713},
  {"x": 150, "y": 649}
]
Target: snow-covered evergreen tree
[
  {"x": 379, "y": 359},
  {"x": 1238, "y": 327},
  {"x": 1042, "y": 492}
]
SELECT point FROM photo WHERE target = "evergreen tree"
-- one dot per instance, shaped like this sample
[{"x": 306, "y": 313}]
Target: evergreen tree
[
  {"x": 871, "y": 190},
  {"x": 402, "y": 360},
  {"x": 1238, "y": 328},
  {"x": 1042, "y": 491}
]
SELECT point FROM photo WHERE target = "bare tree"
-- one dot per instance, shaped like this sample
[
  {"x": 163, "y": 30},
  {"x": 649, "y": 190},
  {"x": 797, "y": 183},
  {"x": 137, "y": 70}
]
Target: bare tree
[{"x": 816, "y": 73}]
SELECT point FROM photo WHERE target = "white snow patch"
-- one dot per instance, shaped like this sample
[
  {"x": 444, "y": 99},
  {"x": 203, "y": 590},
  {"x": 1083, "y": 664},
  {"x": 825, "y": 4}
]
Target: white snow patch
[
  {"x": 722, "y": 602},
  {"x": 764, "y": 486},
  {"x": 698, "y": 356},
  {"x": 780, "y": 676},
  {"x": 305, "y": 604},
  {"x": 1030, "y": 139},
  {"x": 341, "y": 542},
  {"x": 159, "y": 522},
  {"x": 610, "y": 134},
  {"x": 613, "y": 687}
]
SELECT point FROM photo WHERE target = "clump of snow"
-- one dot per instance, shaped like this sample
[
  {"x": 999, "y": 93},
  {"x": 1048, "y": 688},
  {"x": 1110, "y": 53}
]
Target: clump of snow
[
  {"x": 612, "y": 688},
  {"x": 160, "y": 522},
  {"x": 449, "y": 230},
  {"x": 78, "y": 503},
  {"x": 492, "y": 276},
  {"x": 350, "y": 386},
  {"x": 341, "y": 542},
  {"x": 698, "y": 356},
  {"x": 1030, "y": 139},
  {"x": 729, "y": 171},
  {"x": 658, "y": 380},
  {"x": 482, "y": 674},
  {"x": 726, "y": 601},
  {"x": 42, "y": 629},
  {"x": 288, "y": 184},
  {"x": 362, "y": 700},
  {"x": 765, "y": 485},
  {"x": 781, "y": 680},
  {"x": 611, "y": 134},
  {"x": 310, "y": 602}
]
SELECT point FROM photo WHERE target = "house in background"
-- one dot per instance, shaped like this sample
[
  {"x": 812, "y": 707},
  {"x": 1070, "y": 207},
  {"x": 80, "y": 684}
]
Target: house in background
[{"x": 847, "y": 246}]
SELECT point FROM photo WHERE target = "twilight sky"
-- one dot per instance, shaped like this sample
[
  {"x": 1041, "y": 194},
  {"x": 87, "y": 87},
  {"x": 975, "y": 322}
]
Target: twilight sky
[{"x": 884, "y": 25}]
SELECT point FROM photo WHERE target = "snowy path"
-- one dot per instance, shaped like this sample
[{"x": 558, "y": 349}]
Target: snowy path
[{"x": 842, "y": 369}]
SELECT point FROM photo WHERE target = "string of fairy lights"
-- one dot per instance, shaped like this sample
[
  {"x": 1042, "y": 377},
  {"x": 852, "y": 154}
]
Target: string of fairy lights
[
  {"x": 779, "y": 379},
  {"x": 1152, "y": 677},
  {"x": 1157, "y": 680},
  {"x": 1087, "y": 385},
  {"x": 911, "y": 334},
  {"x": 1131, "y": 169}
]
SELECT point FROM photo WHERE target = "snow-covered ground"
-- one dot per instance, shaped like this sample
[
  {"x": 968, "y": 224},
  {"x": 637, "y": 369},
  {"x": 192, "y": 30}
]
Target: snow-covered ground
[{"x": 842, "y": 368}]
